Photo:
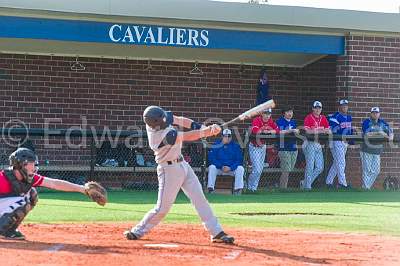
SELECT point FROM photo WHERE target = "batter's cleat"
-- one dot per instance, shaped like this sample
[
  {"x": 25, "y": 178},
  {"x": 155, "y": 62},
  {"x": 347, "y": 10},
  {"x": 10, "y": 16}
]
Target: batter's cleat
[
  {"x": 14, "y": 235},
  {"x": 222, "y": 237},
  {"x": 130, "y": 236},
  {"x": 210, "y": 190}
]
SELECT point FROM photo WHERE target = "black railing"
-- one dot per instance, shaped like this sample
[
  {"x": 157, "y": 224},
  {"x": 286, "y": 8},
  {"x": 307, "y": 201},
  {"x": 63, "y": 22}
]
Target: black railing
[{"x": 122, "y": 159}]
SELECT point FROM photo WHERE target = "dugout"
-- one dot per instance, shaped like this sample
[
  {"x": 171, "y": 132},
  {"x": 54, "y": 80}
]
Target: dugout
[{"x": 100, "y": 63}]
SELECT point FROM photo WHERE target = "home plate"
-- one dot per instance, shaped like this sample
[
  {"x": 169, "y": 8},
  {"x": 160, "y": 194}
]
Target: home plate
[
  {"x": 232, "y": 255},
  {"x": 161, "y": 245}
]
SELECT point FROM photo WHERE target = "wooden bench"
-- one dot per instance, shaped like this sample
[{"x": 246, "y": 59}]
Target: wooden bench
[
  {"x": 228, "y": 182},
  {"x": 270, "y": 177}
]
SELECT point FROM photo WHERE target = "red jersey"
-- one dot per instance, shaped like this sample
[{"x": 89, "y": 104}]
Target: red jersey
[
  {"x": 313, "y": 122},
  {"x": 258, "y": 125},
  {"x": 6, "y": 187}
]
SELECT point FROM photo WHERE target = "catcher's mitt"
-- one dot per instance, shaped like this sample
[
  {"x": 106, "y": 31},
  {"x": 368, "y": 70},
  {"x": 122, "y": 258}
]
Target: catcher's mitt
[{"x": 96, "y": 192}]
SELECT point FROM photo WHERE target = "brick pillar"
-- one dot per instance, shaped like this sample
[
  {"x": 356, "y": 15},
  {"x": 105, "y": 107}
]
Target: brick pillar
[{"x": 369, "y": 75}]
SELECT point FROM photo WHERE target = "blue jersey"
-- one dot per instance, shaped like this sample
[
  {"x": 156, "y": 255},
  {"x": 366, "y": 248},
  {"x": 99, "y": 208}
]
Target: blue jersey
[
  {"x": 283, "y": 124},
  {"x": 262, "y": 93},
  {"x": 340, "y": 124},
  {"x": 370, "y": 125},
  {"x": 225, "y": 155}
]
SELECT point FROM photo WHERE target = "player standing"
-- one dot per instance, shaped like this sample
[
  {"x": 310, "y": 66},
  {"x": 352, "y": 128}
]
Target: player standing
[
  {"x": 175, "y": 173},
  {"x": 314, "y": 123},
  {"x": 340, "y": 123},
  {"x": 263, "y": 124},
  {"x": 371, "y": 152}
]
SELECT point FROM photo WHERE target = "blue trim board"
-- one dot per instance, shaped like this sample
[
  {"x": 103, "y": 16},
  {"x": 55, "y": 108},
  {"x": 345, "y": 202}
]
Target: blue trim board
[{"x": 153, "y": 35}]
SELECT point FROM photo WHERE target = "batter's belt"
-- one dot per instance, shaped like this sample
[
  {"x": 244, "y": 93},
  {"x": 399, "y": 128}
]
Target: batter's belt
[{"x": 178, "y": 160}]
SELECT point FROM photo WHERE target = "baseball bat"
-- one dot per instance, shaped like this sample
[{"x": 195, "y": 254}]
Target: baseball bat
[{"x": 251, "y": 113}]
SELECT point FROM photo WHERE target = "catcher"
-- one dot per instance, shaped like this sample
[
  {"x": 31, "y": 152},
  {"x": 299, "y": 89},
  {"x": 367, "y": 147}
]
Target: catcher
[{"x": 18, "y": 195}]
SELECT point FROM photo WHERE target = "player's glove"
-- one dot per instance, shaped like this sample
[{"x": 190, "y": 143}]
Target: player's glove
[{"x": 96, "y": 192}]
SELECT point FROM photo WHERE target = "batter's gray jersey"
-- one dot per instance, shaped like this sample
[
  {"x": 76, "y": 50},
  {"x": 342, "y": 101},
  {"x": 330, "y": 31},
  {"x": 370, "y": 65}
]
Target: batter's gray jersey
[
  {"x": 162, "y": 151},
  {"x": 172, "y": 176}
]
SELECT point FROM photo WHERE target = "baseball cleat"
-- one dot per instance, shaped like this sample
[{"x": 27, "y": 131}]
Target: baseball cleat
[
  {"x": 237, "y": 192},
  {"x": 130, "y": 236},
  {"x": 14, "y": 235},
  {"x": 222, "y": 237}
]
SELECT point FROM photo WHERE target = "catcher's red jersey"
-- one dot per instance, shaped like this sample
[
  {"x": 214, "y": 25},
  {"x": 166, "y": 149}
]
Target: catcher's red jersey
[{"x": 5, "y": 185}]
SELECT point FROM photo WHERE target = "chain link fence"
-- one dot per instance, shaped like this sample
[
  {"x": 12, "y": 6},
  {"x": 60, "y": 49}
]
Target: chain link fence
[
  {"x": 116, "y": 159},
  {"x": 123, "y": 160},
  {"x": 322, "y": 161}
]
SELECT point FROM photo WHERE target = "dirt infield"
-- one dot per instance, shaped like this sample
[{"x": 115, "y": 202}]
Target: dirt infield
[{"x": 103, "y": 244}]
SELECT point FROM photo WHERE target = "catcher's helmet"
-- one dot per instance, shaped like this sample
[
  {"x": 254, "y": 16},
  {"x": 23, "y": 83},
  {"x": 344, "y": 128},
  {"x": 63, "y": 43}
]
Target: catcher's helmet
[
  {"x": 155, "y": 117},
  {"x": 19, "y": 158}
]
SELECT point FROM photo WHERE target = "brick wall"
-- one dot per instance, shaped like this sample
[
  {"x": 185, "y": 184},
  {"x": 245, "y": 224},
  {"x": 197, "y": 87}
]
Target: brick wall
[
  {"x": 114, "y": 93},
  {"x": 370, "y": 76}
]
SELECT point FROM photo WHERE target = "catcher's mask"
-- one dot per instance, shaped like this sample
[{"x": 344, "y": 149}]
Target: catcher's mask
[
  {"x": 155, "y": 117},
  {"x": 19, "y": 159}
]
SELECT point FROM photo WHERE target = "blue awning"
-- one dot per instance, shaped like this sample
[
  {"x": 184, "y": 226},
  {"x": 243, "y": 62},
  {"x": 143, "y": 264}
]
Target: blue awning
[{"x": 168, "y": 36}]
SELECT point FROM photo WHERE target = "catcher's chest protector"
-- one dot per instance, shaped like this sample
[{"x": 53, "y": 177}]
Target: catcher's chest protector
[{"x": 19, "y": 188}]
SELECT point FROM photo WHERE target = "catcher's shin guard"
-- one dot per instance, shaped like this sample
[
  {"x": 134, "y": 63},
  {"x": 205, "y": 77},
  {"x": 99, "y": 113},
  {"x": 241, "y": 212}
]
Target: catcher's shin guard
[
  {"x": 6, "y": 222},
  {"x": 11, "y": 221}
]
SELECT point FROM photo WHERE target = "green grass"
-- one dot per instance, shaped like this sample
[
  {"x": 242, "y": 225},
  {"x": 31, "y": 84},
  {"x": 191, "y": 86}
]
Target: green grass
[{"x": 367, "y": 212}]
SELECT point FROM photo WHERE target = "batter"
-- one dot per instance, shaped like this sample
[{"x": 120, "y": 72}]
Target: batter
[{"x": 175, "y": 173}]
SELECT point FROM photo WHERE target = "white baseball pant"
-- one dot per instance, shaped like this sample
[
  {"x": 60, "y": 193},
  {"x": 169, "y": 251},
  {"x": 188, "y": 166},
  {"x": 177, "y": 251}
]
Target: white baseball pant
[
  {"x": 314, "y": 162},
  {"x": 213, "y": 172},
  {"x": 171, "y": 178},
  {"x": 338, "y": 150},
  {"x": 371, "y": 167},
  {"x": 257, "y": 158}
]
